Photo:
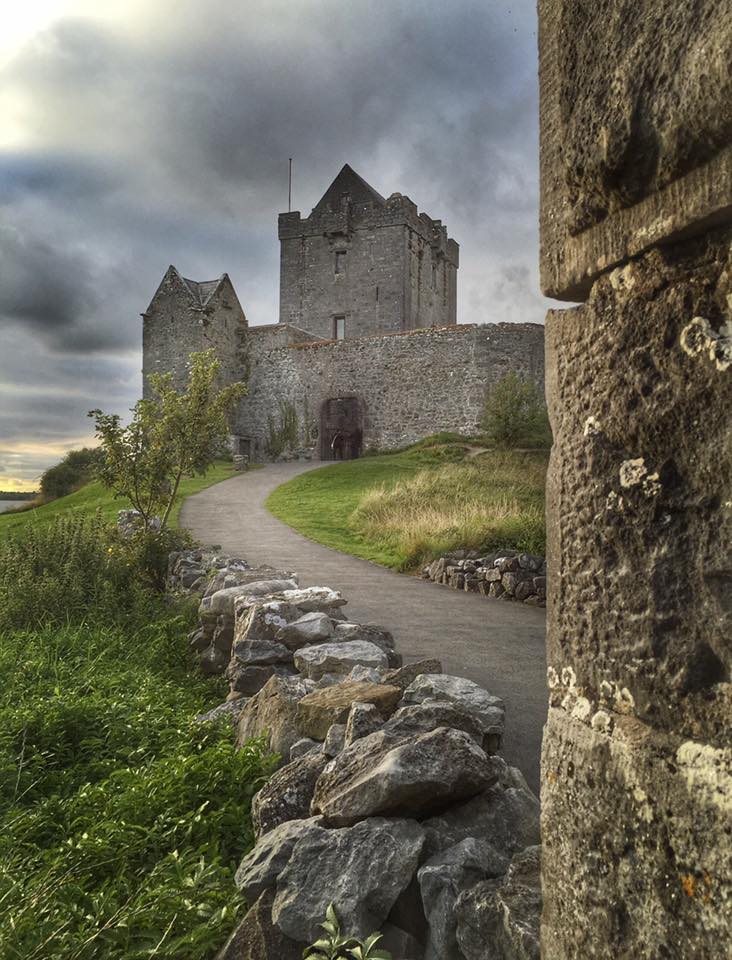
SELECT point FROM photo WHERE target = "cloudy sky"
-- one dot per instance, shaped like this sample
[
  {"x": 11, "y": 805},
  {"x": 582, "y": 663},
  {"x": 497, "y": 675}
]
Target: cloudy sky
[{"x": 139, "y": 133}]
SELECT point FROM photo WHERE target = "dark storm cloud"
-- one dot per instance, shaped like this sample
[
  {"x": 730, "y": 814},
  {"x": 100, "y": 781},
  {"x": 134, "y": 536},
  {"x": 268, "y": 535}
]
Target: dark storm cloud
[{"x": 168, "y": 142}]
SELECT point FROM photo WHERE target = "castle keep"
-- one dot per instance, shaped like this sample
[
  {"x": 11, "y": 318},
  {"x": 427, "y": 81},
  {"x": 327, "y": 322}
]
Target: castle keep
[{"x": 367, "y": 353}]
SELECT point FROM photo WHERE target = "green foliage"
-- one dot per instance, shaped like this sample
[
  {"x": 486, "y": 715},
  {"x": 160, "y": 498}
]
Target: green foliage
[
  {"x": 403, "y": 509},
  {"x": 171, "y": 435},
  {"x": 77, "y": 468},
  {"x": 282, "y": 434},
  {"x": 333, "y": 946},
  {"x": 121, "y": 820},
  {"x": 514, "y": 414}
]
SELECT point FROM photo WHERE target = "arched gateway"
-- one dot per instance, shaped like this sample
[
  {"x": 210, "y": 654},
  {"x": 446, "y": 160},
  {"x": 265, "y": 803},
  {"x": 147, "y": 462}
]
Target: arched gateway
[{"x": 341, "y": 429}]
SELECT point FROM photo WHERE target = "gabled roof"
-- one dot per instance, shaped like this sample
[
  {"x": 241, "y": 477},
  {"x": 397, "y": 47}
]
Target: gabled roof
[
  {"x": 348, "y": 181},
  {"x": 201, "y": 293}
]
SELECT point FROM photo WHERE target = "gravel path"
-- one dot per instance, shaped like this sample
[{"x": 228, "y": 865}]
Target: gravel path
[{"x": 498, "y": 645}]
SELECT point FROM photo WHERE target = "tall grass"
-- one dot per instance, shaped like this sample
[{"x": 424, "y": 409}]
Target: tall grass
[
  {"x": 121, "y": 820},
  {"x": 493, "y": 501}
]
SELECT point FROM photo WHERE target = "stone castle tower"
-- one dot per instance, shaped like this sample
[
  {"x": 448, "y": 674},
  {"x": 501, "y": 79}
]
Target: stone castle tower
[{"x": 361, "y": 265}]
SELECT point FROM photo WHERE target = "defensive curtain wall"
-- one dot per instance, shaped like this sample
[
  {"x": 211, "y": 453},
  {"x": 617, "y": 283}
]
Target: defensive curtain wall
[{"x": 403, "y": 386}]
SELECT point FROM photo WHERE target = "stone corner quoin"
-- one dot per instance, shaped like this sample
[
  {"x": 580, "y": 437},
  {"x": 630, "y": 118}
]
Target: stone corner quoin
[{"x": 636, "y": 222}]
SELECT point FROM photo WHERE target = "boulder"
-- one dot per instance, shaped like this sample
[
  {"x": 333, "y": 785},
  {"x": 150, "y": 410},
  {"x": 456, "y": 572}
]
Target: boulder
[
  {"x": 363, "y": 719},
  {"x": 423, "y": 717},
  {"x": 335, "y": 739},
  {"x": 499, "y": 919},
  {"x": 273, "y": 711},
  {"x": 338, "y": 658},
  {"x": 288, "y": 793},
  {"x": 506, "y": 814},
  {"x": 321, "y": 708},
  {"x": 260, "y": 653},
  {"x": 213, "y": 661},
  {"x": 263, "y": 620},
  {"x": 400, "y": 943},
  {"x": 259, "y": 869},
  {"x": 223, "y": 600},
  {"x": 309, "y": 629},
  {"x": 404, "y": 676},
  {"x": 229, "y": 710},
  {"x": 303, "y": 746},
  {"x": 361, "y": 869},
  {"x": 370, "y": 633},
  {"x": 314, "y": 599},
  {"x": 487, "y": 709},
  {"x": 328, "y": 680},
  {"x": 256, "y": 938},
  {"x": 381, "y": 774},
  {"x": 223, "y": 633},
  {"x": 359, "y": 672},
  {"x": 248, "y": 680},
  {"x": 442, "y": 879}
]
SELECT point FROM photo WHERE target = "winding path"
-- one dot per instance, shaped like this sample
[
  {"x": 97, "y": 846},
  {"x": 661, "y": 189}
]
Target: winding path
[{"x": 498, "y": 645}]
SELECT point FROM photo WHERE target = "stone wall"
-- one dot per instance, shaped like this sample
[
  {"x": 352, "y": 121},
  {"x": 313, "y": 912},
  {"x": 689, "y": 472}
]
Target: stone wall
[
  {"x": 506, "y": 575},
  {"x": 636, "y": 222},
  {"x": 410, "y": 385}
]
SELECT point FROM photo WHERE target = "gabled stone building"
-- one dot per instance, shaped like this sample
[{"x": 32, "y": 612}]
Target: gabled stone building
[{"x": 367, "y": 353}]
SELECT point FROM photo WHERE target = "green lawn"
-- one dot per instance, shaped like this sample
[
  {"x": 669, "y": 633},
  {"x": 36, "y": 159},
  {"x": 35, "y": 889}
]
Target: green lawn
[
  {"x": 405, "y": 508},
  {"x": 93, "y": 497}
]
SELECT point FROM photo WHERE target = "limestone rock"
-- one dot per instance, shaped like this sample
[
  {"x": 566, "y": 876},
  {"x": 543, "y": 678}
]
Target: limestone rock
[
  {"x": 303, "y": 746},
  {"x": 273, "y": 711},
  {"x": 338, "y": 658},
  {"x": 256, "y": 938},
  {"x": 223, "y": 600},
  {"x": 370, "y": 633},
  {"x": 400, "y": 943},
  {"x": 213, "y": 661},
  {"x": 363, "y": 719},
  {"x": 263, "y": 620},
  {"x": 311, "y": 628},
  {"x": 506, "y": 814},
  {"x": 487, "y": 709},
  {"x": 499, "y": 919},
  {"x": 261, "y": 867},
  {"x": 359, "y": 672},
  {"x": 288, "y": 793},
  {"x": 230, "y": 709},
  {"x": 404, "y": 676},
  {"x": 248, "y": 680},
  {"x": 381, "y": 774},
  {"x": 362, "y": 869},
  {"x": 314, "y": 599},
  {"x": 423, "y": 717},
  {"x": 442, "y": 879},
  {"x": 321, "y": 708},
  {"x": 335, "y": 739},
  {"x": 260, "y": 652}
]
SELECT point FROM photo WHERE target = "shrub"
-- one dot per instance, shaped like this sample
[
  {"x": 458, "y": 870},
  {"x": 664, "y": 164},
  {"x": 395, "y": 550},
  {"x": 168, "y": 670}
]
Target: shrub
[
  {"x": 77, "y": 468},
  {"x": 334, "y": 946},
  {"x": 514, "y": 414}
]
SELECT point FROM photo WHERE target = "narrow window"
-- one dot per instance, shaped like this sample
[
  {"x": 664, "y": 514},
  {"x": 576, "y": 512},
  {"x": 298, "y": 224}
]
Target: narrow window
[
  {"x": 340, "y": 261},
  {"x": 339, "y": 328},
  {"x": 434, "y": 276},
  {"x": 377, "y": 293}
]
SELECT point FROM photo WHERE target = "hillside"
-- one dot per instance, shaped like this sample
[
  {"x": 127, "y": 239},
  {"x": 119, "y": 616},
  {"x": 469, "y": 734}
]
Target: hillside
[{"x": 403, "y": 509}]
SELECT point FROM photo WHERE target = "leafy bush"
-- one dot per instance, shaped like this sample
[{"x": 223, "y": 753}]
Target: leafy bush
[
  {"x": 333, "y": 946},
  {"x": 514, "y": 414},
  {"x": 77, "y": 468}
]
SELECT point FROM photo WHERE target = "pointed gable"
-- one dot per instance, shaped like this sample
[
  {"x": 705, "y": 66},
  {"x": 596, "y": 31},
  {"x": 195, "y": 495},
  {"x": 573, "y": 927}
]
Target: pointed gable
[{"x": 348, "y": 182}]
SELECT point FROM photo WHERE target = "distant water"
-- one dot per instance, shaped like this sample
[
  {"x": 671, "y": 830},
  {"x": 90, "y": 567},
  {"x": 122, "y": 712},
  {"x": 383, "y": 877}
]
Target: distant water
[{"x": 10, "y": 504}]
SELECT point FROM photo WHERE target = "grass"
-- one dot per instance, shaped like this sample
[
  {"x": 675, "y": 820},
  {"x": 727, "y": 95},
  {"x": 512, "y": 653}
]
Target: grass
[
  {"x": 93, "y": 496},
  {"x": 121, "y": 820},
  {"x": 404, "y": 509}
]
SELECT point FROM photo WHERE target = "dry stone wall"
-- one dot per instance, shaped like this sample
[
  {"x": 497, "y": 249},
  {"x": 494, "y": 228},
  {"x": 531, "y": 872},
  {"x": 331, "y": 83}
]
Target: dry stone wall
[
  {"x": 507, "y": 575},
  {"x": 637, "y": 222}
]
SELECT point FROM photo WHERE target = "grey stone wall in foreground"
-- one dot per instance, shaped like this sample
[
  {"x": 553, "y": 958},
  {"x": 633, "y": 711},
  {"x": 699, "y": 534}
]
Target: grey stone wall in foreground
[{"x": 636, "y": 216}]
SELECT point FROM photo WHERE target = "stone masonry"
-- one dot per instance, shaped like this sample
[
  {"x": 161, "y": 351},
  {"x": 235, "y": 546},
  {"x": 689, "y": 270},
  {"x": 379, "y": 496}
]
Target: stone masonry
[
  {"x": 395, "y": 367},
  {"x": 636, "y": 117},
  {"x": 377, "y": 264}
]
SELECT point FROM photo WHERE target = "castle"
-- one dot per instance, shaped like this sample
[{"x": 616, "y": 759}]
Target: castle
[{"x": 367, "y": 353}]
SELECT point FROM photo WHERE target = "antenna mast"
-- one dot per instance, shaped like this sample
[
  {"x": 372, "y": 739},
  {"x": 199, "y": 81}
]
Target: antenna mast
[{"x": 289, "y": 190}]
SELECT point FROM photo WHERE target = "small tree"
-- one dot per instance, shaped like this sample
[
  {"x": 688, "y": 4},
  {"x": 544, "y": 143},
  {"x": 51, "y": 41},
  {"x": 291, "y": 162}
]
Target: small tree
[
  {"x": 171, "y": 435},
  {"x": 514, "y": 414}
]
